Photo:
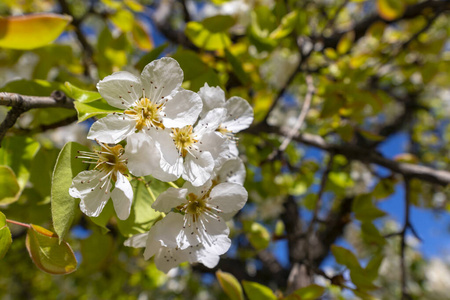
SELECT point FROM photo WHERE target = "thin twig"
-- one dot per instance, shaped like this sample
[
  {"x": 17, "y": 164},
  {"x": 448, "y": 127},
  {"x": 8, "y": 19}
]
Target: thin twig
[
  {"x": 18, "y": 223},
  {"x": 406, "y": 225}
]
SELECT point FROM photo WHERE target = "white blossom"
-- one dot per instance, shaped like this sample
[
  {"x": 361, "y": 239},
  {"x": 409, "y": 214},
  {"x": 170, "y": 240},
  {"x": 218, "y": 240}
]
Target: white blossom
[
  {"x": 93, "y": 187},
  {"x": 153, "y": 101}
]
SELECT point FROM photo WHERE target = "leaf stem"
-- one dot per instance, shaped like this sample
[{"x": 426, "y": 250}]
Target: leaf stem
[
  {"x": 173, "y": 184},
  {"x": 149, "y": 189},
  {"x": 18, "y": 223}
]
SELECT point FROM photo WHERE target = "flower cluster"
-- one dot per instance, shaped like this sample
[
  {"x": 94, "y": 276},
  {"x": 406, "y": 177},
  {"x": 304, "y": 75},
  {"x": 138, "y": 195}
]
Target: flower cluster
[{"x": 168, "y": 133}]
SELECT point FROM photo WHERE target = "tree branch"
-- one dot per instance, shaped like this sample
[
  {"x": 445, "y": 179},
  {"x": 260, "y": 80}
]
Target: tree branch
[
  {"x": 353, "y": 152},
  {"x": 405, "y": 295},
  {"x": 22, "y": 103}
]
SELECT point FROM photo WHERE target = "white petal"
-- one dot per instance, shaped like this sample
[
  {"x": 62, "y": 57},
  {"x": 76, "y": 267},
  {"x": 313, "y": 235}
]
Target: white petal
[
  {"x": 120, "y": 89},
  {"x": 229, "y": 197},
  {"x": 93, "y": 199},
  {"x": 239, "y": 114},
  {"x": 163, "y": 234},
  {"x": 210, "y": 260},
  {"x": 144, "y": 157},
  {"x": 213, "y": 97},
  {"x": 170, "y": 162},
  {"x": 137, "y": 240},
  {"x": 220, "y": 246},
  {"x": 233, "y": 170},
  {"x": 197, "y": 170},
  {"x": 211, "y": 121},
  {"x": 169, "y": 258},
  {"x": 112, "y": 129},
  {"x": 183, "y": 109},
  {"x": 217, "y": 145},
  {"x": 169, "y": 199},
  {"x": 162, "y": 76},
  {"x": 122, "y": 197}
]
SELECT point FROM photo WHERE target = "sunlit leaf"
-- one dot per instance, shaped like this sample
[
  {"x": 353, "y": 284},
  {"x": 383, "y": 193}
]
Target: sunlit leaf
[
  {"x": 123, "y": 19},
  {"x": 288, "y": 23},
  {"x": 230, "y": 285},
  {"x": 47, "y": 253},
  {"x": 31, "y": 31},
  {"x": 9, "y": 187},
  {"x": 211, "y": 33},
  {"x": 63, "y": 205},
  {"x": 345, "y": 43},
  {"x": 92, "y": 109},
  {"x": 391, "y": 9},
  {"x": 5, "y": 236},
  {"x": 257, "y": 234},
  {"x": 310, "y": 292},
  {"x": 141, "y": 36},
  {"x": 256, "y": 291},
  {"x": 81, "y": 95}
]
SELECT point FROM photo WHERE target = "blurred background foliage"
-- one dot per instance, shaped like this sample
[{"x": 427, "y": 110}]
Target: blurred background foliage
[{"x": 377, "y": 73}]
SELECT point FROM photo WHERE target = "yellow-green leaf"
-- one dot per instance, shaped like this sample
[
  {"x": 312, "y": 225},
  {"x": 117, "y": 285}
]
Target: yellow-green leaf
[
  {"x": 256, "y": 291},
  {"x": 310, "y": 292},
  {"x": 141, "y": 37},
  {"x": 31, "y": 31},
  {"x": 211, "y": 33},
  {"x": 47, "y": 253},
  {"x": 390, "y": 9},
  {"x": 230, "y": 285},
  {"x": 94, "y": 108},
  {"x": 123, "y": 19},
  {"x": 345, "y": 43},
  {"x": 80, "y": 94},
  {"x": 9, "y": 187},
  {"x": 5, "y": 236},
  {"x": 257, "y": 234}
]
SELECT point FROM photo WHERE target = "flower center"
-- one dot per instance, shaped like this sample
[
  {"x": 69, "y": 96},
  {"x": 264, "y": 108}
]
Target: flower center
[
  {"x": 109, "y": 159},
  {"x": 146, "y": 113},
  {"x": 225, "y": 132},
  {"x": 184, "y": 139}
]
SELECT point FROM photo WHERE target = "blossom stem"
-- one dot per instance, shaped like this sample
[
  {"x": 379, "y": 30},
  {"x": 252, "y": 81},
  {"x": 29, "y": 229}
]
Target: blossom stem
[
  {"x": 173, "y": 184},
  {"x": 18, "y": 223},
  {"x": 149, "y": 189}
]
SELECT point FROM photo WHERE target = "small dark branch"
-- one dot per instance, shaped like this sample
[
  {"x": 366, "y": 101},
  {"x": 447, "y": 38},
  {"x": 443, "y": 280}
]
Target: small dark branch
[
  {"x": 21, "y": 104},
  {"x": 187, "y": 16},
  {"x": 301, "y": 118},
  {"x": 405, "y": 295},
  {"x": 353, "y": 152},
  {"x": 161, "y": 18},
  {"x": 88, "y": 51},
  {"x": 361, "y": 27},
  {"x": 270, "y": 262},
  {"x": 293, "y": 225}
]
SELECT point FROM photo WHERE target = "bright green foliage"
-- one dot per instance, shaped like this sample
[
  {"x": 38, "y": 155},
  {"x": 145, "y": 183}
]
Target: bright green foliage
[
  {"x": 80, "y": 95},
  {"x": 64, "y": 205},
  {"x": 364, "y": 208},
  {"x": 256, "y": 291},
  {"x": 48, "y": 253},
  {"x": 211, "y": 33},
  {"x": 257, "y": 234},
  {"x": 230, "y": 285},
  {"x": 5, "y": 236}
]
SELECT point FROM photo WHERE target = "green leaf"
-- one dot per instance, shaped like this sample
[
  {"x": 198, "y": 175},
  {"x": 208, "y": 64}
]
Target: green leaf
[
  {"x": 237, "y": 67},
  {"x": 373, "y": 266},
  {"x": 62, "y": 204},
  {"x": 210, "y": 34},
  {"x": 94, "y": 108},
  {"x": 142, "y": 215},
  {"x": 9, "y": 187},
  {"x": 96, "y": 251},
  {"x": 257, "y": 234},
  {"x": 256, "y": 291},
  {"x": 391, "y": 9},
  {"x": 288, "y": 23},
  {"x": 384, "y": 188},
  {"x": 35, "y": 87},
  {"x": 345, "y": 43},
  {"x": 230, "y": 285},
  {"x": 104, "y": 217},
  {"x": 141, "y": 36},
  {"x": 5, "y": 236},
  {"x": 123, "y": 19},
  {"x": 17, "y": 152},
  {"x": 364, "y": 208},
  {"x": 345, "y": 257},
  {"x": 371, "y": 235},
  {"x": 150, "y": 56},
  {"x": 310, "y": 292},
  {"x": 41, "y": 172},
  {"x": 31, "y": 31},
  {"x": 81, "y": 95},
  {"x": 47, "y": 253}
]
